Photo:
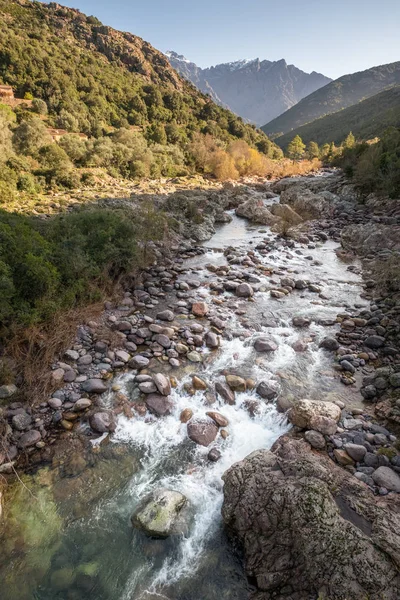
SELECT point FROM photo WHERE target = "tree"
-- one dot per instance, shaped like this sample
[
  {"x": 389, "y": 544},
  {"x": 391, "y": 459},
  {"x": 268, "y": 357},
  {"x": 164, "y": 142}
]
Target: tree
[
  {"x": 296, "y": 148},
  {"x": 156, "y": 133},
  {"x": 30, "y": 136},
  {"x": 313, "y": 150},
  {"x": 5, "y": 137},
  {"x": 39, "y": 106},
  {"x": 350, "y": 141}
]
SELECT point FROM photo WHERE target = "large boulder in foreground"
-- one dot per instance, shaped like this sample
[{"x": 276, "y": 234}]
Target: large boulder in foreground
[
  {"x": 309, "y": 529},
  {"x": 254, "y": 210},
  {"x": 304, "y": 413},
  {"x": 159, "y": 515}
]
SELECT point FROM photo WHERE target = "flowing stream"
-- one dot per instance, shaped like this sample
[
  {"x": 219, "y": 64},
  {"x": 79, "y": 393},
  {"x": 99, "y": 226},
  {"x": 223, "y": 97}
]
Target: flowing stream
[{"x": 93, "y": 550}]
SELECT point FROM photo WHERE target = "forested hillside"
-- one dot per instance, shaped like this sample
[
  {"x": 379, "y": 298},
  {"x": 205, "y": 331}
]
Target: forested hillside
[{"x": 367, "y": 119}]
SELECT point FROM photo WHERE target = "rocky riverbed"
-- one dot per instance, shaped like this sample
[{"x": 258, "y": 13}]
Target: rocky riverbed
[{"x": 221, "y": 347}]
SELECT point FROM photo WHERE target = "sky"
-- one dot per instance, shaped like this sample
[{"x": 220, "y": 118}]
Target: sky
[{"x": 333, "y": 38}]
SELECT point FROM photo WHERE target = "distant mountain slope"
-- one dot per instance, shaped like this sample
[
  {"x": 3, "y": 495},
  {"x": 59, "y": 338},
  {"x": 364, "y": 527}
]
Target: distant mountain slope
[
  {"x": 338, "y": 94},
  {"x": 94, "y": 78},
  {"x": 366, "y": 119},
  {"x": 256, "y": 90}
]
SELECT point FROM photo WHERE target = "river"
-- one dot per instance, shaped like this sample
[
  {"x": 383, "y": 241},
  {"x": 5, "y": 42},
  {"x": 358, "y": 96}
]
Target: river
[{"x": 70, "y": 536}]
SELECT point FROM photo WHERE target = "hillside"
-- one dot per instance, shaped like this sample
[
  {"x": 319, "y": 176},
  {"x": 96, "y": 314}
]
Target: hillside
[
  {"x": 95, "y": 79},
  {"x": 367, "y": 119},
  {"x": 338, "y": 94},
  {"x": 257, "y": 90}
]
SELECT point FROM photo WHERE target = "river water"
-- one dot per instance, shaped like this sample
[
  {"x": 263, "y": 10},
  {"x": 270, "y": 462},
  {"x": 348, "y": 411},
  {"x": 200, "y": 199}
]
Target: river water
[{"x": 70, "y": 536}]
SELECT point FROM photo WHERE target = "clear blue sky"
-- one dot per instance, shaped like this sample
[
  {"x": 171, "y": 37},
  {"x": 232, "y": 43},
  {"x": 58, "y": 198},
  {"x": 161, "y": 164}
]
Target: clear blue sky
[{"x": 334, "y": 38}]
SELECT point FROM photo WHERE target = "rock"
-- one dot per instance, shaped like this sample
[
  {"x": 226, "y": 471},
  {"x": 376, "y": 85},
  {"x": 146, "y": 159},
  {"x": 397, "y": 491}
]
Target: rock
[
  {"x": 254, "y": 210},
  {"x": 214, "y": 455},
  {"x": 202, "y": 431},
  {"x": 374, "y": 341},
  {"x": 94, "y": 386},
  {"x": 186, "y": 415},
  {"x": 308, "y": 528},
  {"x": 71, "y": 355},
  {"x": 342, "y": 457},
  {"x": 244, "y": 290},
  {"x": 395, "y": 380},
  {"x": 82, "y": 404},
  {"x": 301, "y": 322},
  {"x": 55, "y": 403},
  {"x": 356, "y": 451},
  {"x": 323, "y": 424},
  {"x": 21, "y": 421},
  {"x": 6, "y": 391},
  {"x": 277, "y": 294},
  {"x": 303, "y": 411},
  {"x": 148, "y": 387},
  {"x": 165, "y": 315},
  {"x": 225, "y": 392},
  {"x": 159, "y": 405},
  {"x": 200, "y": 309},
  {"x": 194, "y": 357},
  {"x": 237, "y": 384},
  {"x": 102, "y": 422},
  {"x": 329, "y": 343},
  {"x": 219, "y": 419},
  {"x": 267, "y": 389},
  {"x": 211, "y": 339},
  {"x": 158, "y": 515},
  {"x": 387, "y": 478},
  {"x": 347, "y": 366},
  {"x": 122, "y": 355},
  {"x": 57, "y": 375},
  {"x": 198, "y": 383},
  {"x": 162, "y": 340},
  {"x": 286, "y": 212},
  {"x": 139, "y": 362},
  {"x": 162, "y": 383},
  {"x": 265, "y": 345},
  {"x": 28, "y": 439},
  {"x": 316, "y": 439}
]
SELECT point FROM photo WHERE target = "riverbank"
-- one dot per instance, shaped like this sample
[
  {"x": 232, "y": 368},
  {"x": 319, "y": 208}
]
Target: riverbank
[{"x": 190, "y": 369}]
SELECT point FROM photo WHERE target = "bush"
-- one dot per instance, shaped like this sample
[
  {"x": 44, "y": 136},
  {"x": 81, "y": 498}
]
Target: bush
[
  {"x": 39, "y": 106},
  {"x": 30, "y": 136}
]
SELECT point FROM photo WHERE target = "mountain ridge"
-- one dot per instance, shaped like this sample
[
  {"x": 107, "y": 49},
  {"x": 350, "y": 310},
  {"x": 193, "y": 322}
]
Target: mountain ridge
[
  {"x": 336, "y": 95},
  {"x": 252, "y": 88}
]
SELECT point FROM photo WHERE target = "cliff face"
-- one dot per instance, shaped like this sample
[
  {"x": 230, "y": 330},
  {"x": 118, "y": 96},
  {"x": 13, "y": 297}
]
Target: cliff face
[{"x": 256, "y": 90}]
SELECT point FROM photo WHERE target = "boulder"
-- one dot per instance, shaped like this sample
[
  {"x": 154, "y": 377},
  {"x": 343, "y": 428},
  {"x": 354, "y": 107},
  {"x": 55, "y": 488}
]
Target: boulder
[
  {"x": 200, "y": 309},
  {"x": 356, "y": 451},
  {"x": 219, "y": 419},
  {"x": 254, "y": 210},
  {"x": 387, "y": 478},
  {"x": 316, "y": 439},
  {"x": 268, "y": 389},
  {"x": 159, "y": 405},
  {"x": 21, "y": 421},
  {"x": 286, "y": 213},
  {"x": 374, "y": 341},
  {"x": 6, "y": 391},
  {"x": 304, "y": 411},
  {"x": 244, "y": 290},
  {"x": 159, "y": 514},
  {"x": 309, "y": 529},
  {"x": 264, "y": 344},
  {"x": 163, "y": 384},
  {"x": 211, "y": 339},
  {"x": 301, "y": 322},
  {"x": 329, "y": 343},
  {"x": 202, "y": 431},
  {"x": 28, "y": 439},
  {"x": 102, "y": 422},
  {"x": 225, "y": 392},
  {"x": 186, "y": 415},
  {"x": 94, "y": 386},
  {"x": 214, "y": 455},
  {"x": 139, "y": 362},
  {"x": 165, "y": 315},
  {"x": 236, "y": 383}
]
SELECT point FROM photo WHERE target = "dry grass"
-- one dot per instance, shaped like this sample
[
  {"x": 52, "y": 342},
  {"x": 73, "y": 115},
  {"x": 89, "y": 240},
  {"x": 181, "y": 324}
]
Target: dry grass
[
  {"x": 34, "y": 349},
  {"x": 290, "y": 168}
]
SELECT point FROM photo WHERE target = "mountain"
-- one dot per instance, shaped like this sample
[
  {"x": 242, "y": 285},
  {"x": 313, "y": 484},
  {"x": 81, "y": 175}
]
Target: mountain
[
  {"x": 95, "y": 79},
  {"x": 256, "y": 90},
  {"x": 367, "y": 119},
  {"x": 338, "y": 94}
]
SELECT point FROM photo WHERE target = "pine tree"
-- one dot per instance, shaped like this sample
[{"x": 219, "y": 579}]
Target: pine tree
[
  {"x": 313, "y": 150},
  {"x": 296, "y": 148}
]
